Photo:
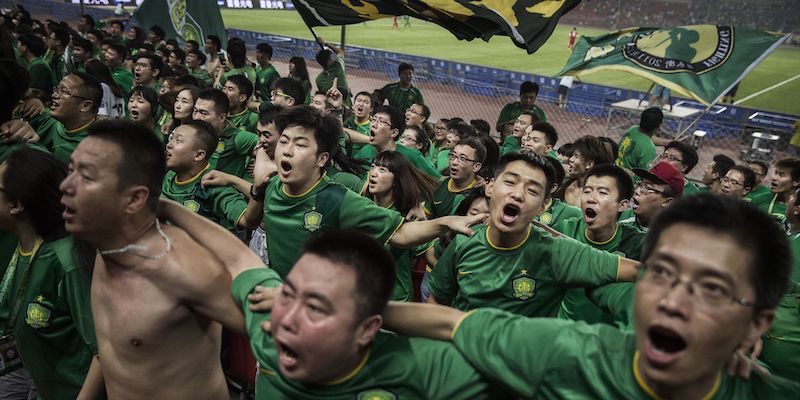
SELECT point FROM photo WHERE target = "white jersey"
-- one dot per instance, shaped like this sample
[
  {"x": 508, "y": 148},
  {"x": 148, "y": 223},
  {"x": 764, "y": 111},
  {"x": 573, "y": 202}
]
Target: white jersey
[{"x": 111, "y": 106}]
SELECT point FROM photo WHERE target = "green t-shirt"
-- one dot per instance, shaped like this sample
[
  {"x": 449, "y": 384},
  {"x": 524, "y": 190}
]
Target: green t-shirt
[
  {"x": 248, "y": 72},
  {"x": 42, "y": 77},
  {"x": 54, "y": 329},
  {"x": 636, "y": 150},
  {"x": 223, "y": 205},
  {"x": 768, "y": 202},
  {"x": 511, "y": 111},
  {"x": 782, "y": 343},
  {"x": 794, "y": 244},
  {"x": 446, "y": 199},
  {"x": 691, "y": 188},
  {"x": 346, "y": 179},
  {"x": 362, "y": 128},
  {"x": 554, "y": 359},
  {"x": 758, "y": 191},
  {"x": 402, "y": 98},
  {"x": 48, "y": 129},
  {"x": 203, "y": 76},
  {"x": 369, "y": 152},
  {"x": 510, "y": 145},
  {"x": 558, "y": 211},
  {"x": 626, "y": 242},
  {"x": 65, "y": 142},
  {"x": 325, "y": 80},
  {"x": 443, "y": 159},
  {"x": 529, "y": 279},
  {"x": 395, "y": 367},
  {"x": 124, "y": 78},
  {"x": 245, "y": 120},
  {"x": 265, "y": 77},
  {"x": 327, "y": 205},
  {"x": 233, "y": 151},
  {"x": 616, "y": 300}
]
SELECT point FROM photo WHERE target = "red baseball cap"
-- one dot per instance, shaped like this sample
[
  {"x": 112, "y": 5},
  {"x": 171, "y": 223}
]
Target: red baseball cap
[{"x": 663, "y": 173}]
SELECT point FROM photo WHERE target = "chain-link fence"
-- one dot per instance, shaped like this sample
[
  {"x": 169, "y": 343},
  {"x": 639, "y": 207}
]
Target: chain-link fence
[{"x": 474, "y": 92}]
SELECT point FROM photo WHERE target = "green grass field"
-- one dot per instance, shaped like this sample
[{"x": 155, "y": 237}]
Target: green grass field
[{"x": 426, "y": 39}]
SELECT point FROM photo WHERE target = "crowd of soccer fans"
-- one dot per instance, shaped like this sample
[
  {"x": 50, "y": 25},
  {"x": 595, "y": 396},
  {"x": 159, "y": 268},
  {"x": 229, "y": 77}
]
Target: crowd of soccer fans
[{"x": 153, "y": 193}]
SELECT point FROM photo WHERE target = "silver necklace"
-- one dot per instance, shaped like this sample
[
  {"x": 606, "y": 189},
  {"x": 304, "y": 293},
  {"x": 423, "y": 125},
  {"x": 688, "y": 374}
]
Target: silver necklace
[{"x": 133, "y": 247}]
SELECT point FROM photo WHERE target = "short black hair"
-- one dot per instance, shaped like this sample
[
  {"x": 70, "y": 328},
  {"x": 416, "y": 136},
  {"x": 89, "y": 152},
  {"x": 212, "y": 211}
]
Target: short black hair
[
  {"x": 650, "y": 120},
  {"x": 292, "y": 88},
  {"x": 751, "y": 228},
  {"x": 532, "y": 159},
  {"x": 199, "y": 54},
  {"x": 193, "y": 44},
  {"x": 463, "y": 129},
  {"x": 422, "y": 138},
  {"x": 688, "y": 154},
  {"x": 116, "y": 22},
  {"x": 85, "y": 44},
  {"x": 323, "y": 56},
  {"x": 90, "y": 89},
  {"x": 265, "y": 48},
  {"x": 481, "y": 125},
  {"x": 237, "y": 51},
  {"x": 426, "y": 111},
  {"x": 533, "y": 115},
  {"x": 62, "y": 35},
  {"x": 367, "y": 258},
  {"x": 33, "y": 177},
  {"x": 122, "y": 51},
  {"x": 622, "y": 179},
  {"x": 215, "y": 40},
  {"x": 593, "y": 150},
  {"x": 558, "y": 169},
  {"x": 327, "y": 129},
  {"x": 148, "y": 94},
  {"x": 179, "y": 54},
  {"x": 566, "y": 149},
  {"x": 34, "y": 43},
  {"x": 242, "y": 83},
  {"x": 155, "y": 61},
  {"x": 89, "y": 19},
  {"x": 761, "y": 164},
  {"x": 404, "y": 66},
  {"x": 480, "y": 149},
  {"x": 722, "y": 164},
  {"x": 611, "y": 145},
  {"x": 205, "y": 136},
  {"x": 550, "y": 133},
  {"x": 747, "y": 173},
  {"x": 218, "y": 97},
  {"x": 396, "y": 117},
  {"x": 792, "y": 164},
  {"x": 100, "y": 35},
  {"x": 267, "y": 113},
  {"x": 143, "y": 162},
  {"x": 159, "y": 31},
  {"x": 529, "y": 87}
]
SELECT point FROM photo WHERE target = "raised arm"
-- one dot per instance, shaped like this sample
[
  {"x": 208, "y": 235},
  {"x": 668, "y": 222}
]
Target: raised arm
[
  {"x": 421, "y": 320},
  {"x": 414, "y": 233},
  {"x": 628, "y": 269},
  {"x": 234, "y": 254}
]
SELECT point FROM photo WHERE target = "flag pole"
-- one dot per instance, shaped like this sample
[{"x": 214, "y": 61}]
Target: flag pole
[
  {"x": 344, "y": 34},
  {"x": 681, "y": 135},
  {"x": 316, "y": 38}
]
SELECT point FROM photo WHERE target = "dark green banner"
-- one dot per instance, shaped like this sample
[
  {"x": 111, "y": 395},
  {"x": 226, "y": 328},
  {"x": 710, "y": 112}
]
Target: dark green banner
[
  {"x": 701, "y": 62},
  {"x": 528, "y": 23},
  {"x": 189, "y": 20}
]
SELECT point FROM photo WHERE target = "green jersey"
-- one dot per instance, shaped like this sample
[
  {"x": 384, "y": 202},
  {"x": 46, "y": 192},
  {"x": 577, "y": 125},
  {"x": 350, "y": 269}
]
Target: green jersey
[
  {"x": 636, "y": 150},
  {"x": 233, "y": 151},
  {"x": 511, "y": 111},
  {"x": 265, "y": 77},
  {"x": 627, "y": 241},
  {"x": 769, "y": 203},
  {"x": 203, "y": 76},
  {"x": 248, "y": 72},
  {"x": 443, "y": 159},
  {"x": 54, "y": 328},
  {"x": 782, "y": 343},
  {"x": 327, "y": 205},
  {"x": 325, "y": 80},
  {"x": 557, "y": 211},
  {"x": 42, "y": 77},
  {"x": 758, "y": 191},
  {"x": 510, "y": 145},
  {"x": 691, "y": 188},
  {"x": 223, "y": 205},
  {"x": 794, "y": 244},
  {"x": 446, "y": 198},
  {"x": 245, "y": 120},
  {"x": 369, "y": 152},
  {"x": 65, "y": 141},
  {"x": 528, "y": 279},
  {"x": 124, "y": 78},
  {"x": 568, "y": 359},
  {"x": 360, "y": 127},
  {"x": 401, "y": 98},
  {"x": 346, "y": 179},
  {"x": 394, "y": 367},
  {"x": 616, "y": 301}
]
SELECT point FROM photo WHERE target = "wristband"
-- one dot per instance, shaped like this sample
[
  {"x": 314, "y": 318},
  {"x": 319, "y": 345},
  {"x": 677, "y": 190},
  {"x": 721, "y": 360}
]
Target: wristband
[{"x": 255, "y": 196}]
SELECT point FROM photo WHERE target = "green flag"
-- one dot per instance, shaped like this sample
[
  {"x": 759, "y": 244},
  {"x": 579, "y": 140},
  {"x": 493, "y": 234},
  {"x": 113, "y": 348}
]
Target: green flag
[
  {"x": 528, "y": 23},
  {"x": 701, "y": 62},
  {"x": 188, "y": 20}
]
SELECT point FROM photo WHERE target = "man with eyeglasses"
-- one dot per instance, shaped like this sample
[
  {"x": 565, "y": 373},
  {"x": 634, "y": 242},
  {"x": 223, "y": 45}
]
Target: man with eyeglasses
[
  {"x": 759, "y": 168},
  {"x": 606, "y": 192},
  {"x": 386, "y": 126},
  {"x": 147, "y": 70},
  {"x": 403, "y": 94},
  {"x": 235, "y": 146},
  {"x": 417, "y": 114},
  {"x": 715, "y": 171},
  {"x": 657, "y": 188},
  {"x": 512, "y": 265},
  {"x": 714, "y": 269},
  {"x": 466, "y": 160},
  {"x": 684, "y": 158},
  {"x": 738, "y": 181}
]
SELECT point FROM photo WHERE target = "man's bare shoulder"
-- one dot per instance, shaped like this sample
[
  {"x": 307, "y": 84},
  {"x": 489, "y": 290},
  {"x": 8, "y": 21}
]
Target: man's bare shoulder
[{"x": 189, "y": 268}]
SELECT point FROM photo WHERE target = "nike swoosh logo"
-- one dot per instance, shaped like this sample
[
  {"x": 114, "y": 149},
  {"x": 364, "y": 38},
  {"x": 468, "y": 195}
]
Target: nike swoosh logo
[
  {"x": 462, "y": 273},
  {"x": 438, "y": 202}
]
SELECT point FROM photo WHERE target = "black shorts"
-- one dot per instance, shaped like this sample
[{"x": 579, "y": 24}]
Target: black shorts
[{"x": 562, "y": 90}]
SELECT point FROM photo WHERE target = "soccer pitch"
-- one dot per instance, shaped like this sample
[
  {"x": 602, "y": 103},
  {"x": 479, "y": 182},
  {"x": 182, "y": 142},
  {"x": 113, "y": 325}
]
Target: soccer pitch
[{"x": 430, "y": 40}]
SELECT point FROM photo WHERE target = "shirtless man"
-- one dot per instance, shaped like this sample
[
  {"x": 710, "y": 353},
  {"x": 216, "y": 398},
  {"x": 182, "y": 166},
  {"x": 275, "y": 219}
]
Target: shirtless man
[{"x": 154, "y": 290}]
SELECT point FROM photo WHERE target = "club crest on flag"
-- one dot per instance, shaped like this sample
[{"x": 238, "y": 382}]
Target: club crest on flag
[{"x": 698, "y": 48}]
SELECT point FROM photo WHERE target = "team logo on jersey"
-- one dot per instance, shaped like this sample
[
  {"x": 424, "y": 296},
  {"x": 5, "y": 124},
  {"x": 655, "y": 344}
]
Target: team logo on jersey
[
  {"x": 546, "y": 218},
  {"x": 376, "y": 394},
  {"x": 220, "y": 147},
  {"x": 192, "y": 205},
  {"x": 697, "y": 48},
  {"x": 37, "y": 316},
  {"x": 312, "y": 221},
  {"x": 523, "y": 288}
]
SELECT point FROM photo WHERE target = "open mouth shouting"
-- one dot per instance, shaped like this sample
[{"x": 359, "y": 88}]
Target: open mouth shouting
[
  {"x": 510, "y": 214},
  {"x": 287, "y": 357},
  {"x": 663, "y": 346},
  {"x": 285, "y": 168},
  {"x": 589, "y": 215}
]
